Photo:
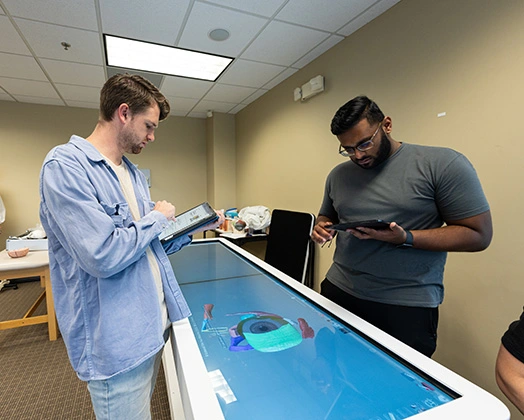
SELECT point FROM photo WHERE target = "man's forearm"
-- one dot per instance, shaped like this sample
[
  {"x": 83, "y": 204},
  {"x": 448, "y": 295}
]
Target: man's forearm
[
  {"x": 450, "y": 239},
  {"x": 466, "y": 235}
]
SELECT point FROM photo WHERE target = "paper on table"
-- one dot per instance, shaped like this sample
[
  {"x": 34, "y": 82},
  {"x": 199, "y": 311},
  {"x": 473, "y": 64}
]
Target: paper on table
[{"x": 233, "y": 235}]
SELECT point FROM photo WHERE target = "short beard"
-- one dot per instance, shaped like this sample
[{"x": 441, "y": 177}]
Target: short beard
[
  {"x": 384, "y": 151},
  {"x": 128, "y": 144}
]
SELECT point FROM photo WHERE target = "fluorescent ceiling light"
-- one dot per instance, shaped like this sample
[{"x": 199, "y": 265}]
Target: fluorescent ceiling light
[{"x": 140, "y": 55}]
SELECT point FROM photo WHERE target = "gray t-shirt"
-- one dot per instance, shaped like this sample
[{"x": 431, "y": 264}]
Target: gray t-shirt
[{"x": 419, "y": 187}]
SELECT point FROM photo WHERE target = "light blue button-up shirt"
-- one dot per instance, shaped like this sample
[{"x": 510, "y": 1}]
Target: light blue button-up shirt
[{"x": 105, "y": 296}]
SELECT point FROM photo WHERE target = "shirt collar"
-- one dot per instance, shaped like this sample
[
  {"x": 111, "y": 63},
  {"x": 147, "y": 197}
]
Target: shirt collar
[{"x": 92, "y": 152}]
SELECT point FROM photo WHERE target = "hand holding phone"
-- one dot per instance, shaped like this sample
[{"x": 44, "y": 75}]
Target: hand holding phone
[{"x": 372, "y": 224}]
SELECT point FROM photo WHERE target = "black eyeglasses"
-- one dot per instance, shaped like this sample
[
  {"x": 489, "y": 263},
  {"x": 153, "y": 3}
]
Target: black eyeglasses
[{"x": 348, "y": 151}]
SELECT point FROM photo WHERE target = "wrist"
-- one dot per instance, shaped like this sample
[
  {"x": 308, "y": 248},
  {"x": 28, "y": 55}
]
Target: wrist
[{"x": 408, "y": 242}]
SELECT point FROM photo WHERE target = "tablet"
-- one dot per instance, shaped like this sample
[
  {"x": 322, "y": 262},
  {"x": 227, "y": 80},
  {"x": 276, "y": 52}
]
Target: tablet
[
  {"x": 373, "y": 224},
  {"x": 187, "y": 222}
]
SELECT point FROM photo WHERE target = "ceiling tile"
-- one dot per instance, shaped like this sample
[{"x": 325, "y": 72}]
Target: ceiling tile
[
  {"x": 204, "y": 106},
  {"x": 204, "y": 18},
  {"x": 74, "y": 73},
  {"x": 254, "y": 97},
  {"x": 88, "y": 94},
  {"x": 154, "y": 78},
  {"x": 5, "y": 97},
  {"x": 250, "y": 73},
  {"x": 10, "y": 41},
  {"x": 318, "y": 51},
  {"x": 21, "y": 67},
  {"x": 177, "y": 114},
  {"x": 293, "y": 42},
  {"x": 197, "y": 114},
  {"x": 326, "y": 18},
  {"x": 28, "y": 88},
  {"x": 45, "y": 39},
  {"x": 75, "y": 13},
  {"x": 265, "y": 8},
  {"x": 159, "y": 21},
  {"x": 81, "y": 104},
  {"x": 280, "y": 78},
  {"x": 367, "y": 16},
  {"x": 181, "y": 105},
  {"x": 236, "y": 109},
  {"x": 270, "y": 40},
  {"x": 39, "y": 100},
  {"x": 229, "y": 93},
  {"x": 185, "y": 88}
]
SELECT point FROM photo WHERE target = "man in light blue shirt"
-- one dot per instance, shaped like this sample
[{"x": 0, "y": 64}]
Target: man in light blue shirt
[{"x": 114, "y": 288}]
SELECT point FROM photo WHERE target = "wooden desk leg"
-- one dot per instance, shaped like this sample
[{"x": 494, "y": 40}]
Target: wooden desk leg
[{"x": 51, "y": 316}]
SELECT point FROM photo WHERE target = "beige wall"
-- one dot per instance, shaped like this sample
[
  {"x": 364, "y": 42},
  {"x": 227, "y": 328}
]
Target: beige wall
[
  {"x": 221, "y": 161},
  {"x": 176, "y": 158},
  {"x": 421, "y": 58}
]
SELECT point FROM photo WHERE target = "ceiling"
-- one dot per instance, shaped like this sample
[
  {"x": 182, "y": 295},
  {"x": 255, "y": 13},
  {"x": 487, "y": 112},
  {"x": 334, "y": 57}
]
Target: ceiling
[{"x": 269, "y": 41}]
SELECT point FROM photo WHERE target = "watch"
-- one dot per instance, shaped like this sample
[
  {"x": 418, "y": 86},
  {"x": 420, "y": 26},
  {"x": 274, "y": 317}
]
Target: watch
[{"x": 409, "y": 239}]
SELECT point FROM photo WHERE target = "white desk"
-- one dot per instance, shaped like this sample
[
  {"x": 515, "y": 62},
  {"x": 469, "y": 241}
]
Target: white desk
[
  {"x": 238, "y": 238},
  {"x": 34, "y": 264}
]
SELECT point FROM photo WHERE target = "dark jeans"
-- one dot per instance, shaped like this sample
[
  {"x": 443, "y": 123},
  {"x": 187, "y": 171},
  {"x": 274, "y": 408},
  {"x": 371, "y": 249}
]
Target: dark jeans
[{"x": 414, "y": 326}]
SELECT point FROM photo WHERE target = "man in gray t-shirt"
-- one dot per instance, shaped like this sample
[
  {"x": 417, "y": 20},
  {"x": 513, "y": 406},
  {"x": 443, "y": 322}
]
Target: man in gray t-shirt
[{"x": 393, "y": 277}]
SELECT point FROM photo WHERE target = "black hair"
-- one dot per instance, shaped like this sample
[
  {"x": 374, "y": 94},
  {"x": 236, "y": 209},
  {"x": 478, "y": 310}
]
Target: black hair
[{"x": 352, "y": 112}]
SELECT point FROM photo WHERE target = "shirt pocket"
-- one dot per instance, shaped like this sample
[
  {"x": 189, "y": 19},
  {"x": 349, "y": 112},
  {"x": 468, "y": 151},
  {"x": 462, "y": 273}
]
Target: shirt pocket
[{"x": 119, "y": 213}]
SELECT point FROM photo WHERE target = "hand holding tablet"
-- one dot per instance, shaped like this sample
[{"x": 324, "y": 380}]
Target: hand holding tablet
[
  {"x": 188, "y": 222},
  {"x": 372, "y": 224}
]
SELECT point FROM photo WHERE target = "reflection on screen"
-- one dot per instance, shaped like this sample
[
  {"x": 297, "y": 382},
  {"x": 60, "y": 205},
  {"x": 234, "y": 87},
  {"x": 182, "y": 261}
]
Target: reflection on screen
[{"x": 271, "y": 353}]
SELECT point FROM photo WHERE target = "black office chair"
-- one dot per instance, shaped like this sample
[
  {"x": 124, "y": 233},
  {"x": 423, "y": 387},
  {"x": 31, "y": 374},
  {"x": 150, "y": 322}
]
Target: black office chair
[{"x": 289, "y": 246}]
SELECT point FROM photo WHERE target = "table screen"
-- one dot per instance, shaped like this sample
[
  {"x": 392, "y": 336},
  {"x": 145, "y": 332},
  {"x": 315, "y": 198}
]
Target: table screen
[{"x": 271, "y": 353}]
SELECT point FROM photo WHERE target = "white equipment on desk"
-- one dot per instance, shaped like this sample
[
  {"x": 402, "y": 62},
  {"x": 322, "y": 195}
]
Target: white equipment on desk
[{"x": 35, "y": 239}]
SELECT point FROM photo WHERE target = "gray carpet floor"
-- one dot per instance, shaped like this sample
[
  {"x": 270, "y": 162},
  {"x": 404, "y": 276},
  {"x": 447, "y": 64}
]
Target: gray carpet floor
[{"x": 36, "y": 379}]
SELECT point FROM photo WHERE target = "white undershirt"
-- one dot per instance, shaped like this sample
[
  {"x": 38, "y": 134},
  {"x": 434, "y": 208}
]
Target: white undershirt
[{"x": 124, "y": 178}]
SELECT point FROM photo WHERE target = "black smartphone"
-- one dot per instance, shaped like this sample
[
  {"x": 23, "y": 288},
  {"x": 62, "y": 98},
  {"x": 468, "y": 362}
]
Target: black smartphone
[{"x": 373, "y": 224}]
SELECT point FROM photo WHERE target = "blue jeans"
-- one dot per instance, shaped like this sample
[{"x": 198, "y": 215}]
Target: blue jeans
[{"x": 126, "y": 396}]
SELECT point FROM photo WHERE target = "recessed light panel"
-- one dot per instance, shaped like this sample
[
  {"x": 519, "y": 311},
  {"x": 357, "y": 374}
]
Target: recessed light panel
[{"x": 140, "y": 55}]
